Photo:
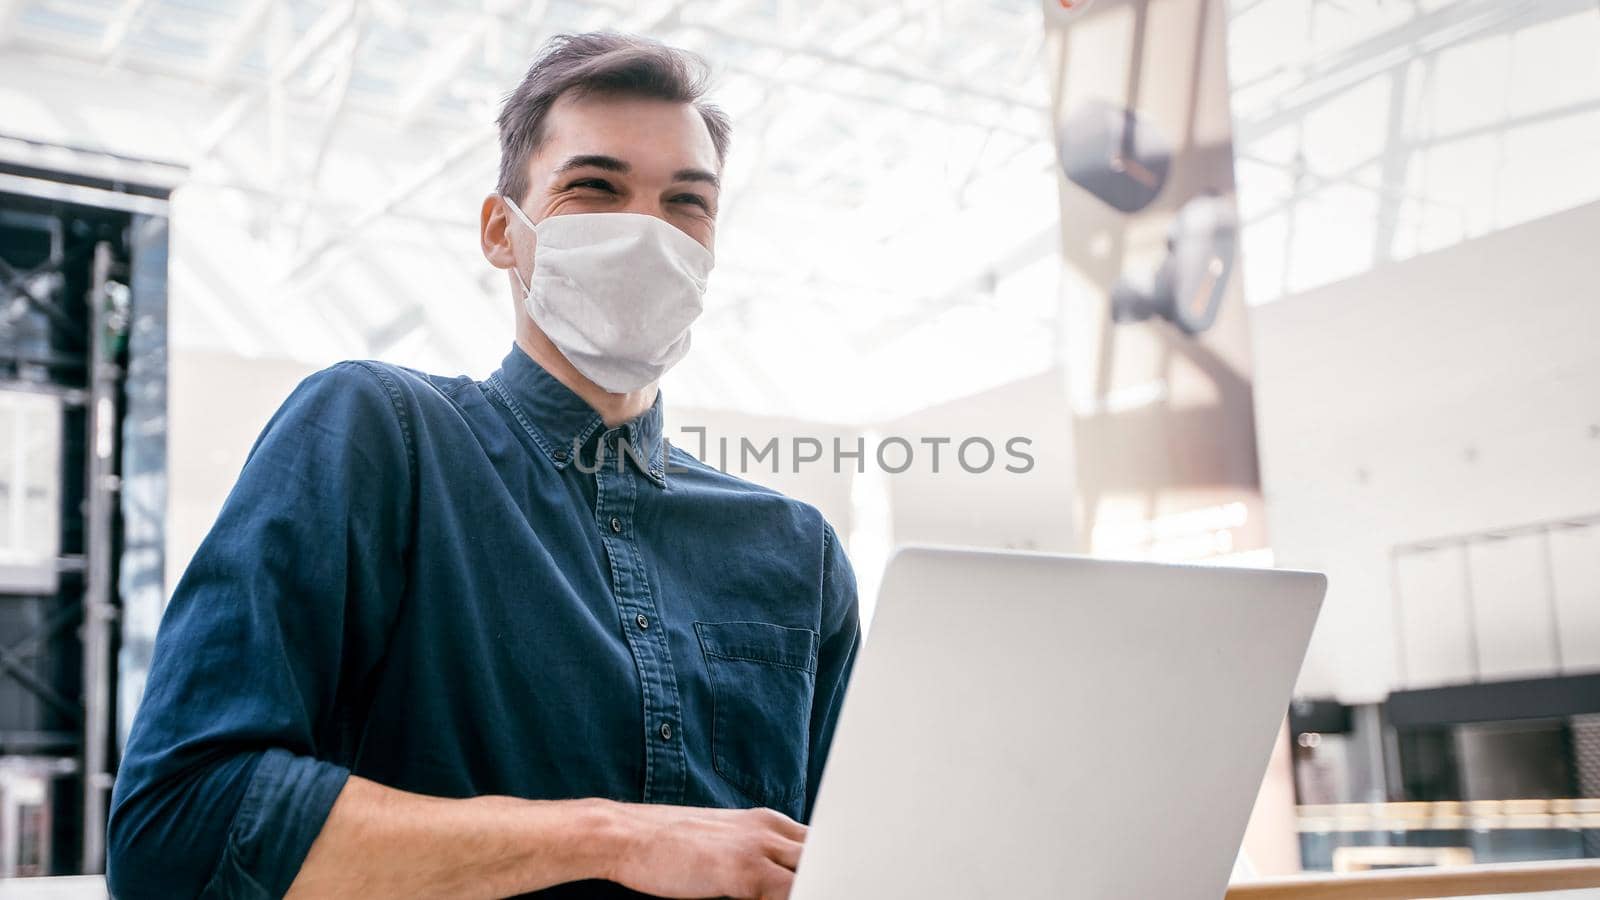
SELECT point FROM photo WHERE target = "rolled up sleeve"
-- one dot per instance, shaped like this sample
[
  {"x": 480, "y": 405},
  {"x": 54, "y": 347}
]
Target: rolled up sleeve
[
  {"x": 841, "y": 638},
  {"x": 244, "y": 736}
]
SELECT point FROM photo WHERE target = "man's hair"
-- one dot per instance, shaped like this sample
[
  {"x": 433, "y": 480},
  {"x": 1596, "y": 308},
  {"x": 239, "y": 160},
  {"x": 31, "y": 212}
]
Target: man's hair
[{"x": 598, "y": 63}]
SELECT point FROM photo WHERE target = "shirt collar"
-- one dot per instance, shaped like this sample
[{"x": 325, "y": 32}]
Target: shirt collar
[{"x": 562, "y": 424}]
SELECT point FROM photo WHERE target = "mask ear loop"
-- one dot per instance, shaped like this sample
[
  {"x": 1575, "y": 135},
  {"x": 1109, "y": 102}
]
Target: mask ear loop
[
  {"x": 520, "y": 283},
  {"x": 523, "y": 218}
]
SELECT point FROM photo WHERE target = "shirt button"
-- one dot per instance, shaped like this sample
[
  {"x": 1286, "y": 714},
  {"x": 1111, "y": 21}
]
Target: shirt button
[
  {"x": 643, "y": 622},
  {"x": 616, "y": 524},
  {"x": 561, "y": 456},
  {"x": 666, "y": 731}
]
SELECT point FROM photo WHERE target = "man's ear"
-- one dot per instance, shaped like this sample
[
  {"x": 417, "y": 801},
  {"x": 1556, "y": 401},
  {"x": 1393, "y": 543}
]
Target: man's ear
[{"x": 494, "y": 233}]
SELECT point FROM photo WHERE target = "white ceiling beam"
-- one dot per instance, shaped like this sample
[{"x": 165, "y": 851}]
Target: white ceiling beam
[
  {"x": 801, "y": 118},
  {"x": 836, "y": 60},
  {"x": 874, "y": 27},
  {"x": 1424, "y": 35},
  {"x": 809, "y": 85},
  {"x": 317, "y": 37},
  {"x": 648, "y": 18},
  {"x": 441, "y": 70},
  {"x": 8, "y": 12},
  {"x": 320, "y": 205},
  {"x": 404, "y": 190},
  {"x": 116, "y": 33},
  {"x": 339, "y": 92},
  {"x": 244, "y": 35}
]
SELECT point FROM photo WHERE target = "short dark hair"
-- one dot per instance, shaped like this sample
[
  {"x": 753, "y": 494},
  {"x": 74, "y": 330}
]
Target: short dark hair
[{"x": 598, "y": 63}]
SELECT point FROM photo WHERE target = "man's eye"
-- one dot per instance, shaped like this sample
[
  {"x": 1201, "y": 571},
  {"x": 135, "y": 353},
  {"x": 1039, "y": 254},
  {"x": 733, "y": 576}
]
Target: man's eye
[
  {"x": 594, "y": 184},
  {"x": 695, "y": 199}
]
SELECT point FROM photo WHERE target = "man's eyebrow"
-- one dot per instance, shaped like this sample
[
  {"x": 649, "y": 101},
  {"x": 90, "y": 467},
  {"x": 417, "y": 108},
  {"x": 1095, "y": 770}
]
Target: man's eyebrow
[
  {"x": 697, "y": 175},
  {"x": 594, "y": 161}
]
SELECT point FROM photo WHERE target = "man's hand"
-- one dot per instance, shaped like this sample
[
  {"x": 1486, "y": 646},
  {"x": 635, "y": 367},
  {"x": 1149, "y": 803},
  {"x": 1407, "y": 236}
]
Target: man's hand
[
  {"x": 691, "y": 852},
  {"x": 383, "y": 842}
]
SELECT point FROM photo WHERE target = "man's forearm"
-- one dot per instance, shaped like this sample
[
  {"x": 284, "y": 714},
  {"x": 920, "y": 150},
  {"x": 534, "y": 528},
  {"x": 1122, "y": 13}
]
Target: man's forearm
[{"x": 383, "y": 842}]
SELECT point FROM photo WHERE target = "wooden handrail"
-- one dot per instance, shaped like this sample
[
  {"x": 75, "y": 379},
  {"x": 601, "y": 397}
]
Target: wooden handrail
[{"x": 1410, "y": 884}]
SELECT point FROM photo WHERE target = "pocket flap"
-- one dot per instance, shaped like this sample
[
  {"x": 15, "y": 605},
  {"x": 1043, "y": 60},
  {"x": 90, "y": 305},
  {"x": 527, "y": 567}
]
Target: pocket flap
[{"x": 760, "y": 642}]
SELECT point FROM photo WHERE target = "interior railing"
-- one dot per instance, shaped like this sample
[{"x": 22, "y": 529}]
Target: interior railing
[{"x": 1415, "y": 883}]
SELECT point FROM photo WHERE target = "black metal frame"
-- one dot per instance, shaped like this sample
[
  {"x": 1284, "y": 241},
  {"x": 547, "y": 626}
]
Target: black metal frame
[{"x": 84, "y": 361}]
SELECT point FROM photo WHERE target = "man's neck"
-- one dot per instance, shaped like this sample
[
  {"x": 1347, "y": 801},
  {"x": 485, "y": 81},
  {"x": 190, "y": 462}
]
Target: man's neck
[{"x": 614, "y": 409}]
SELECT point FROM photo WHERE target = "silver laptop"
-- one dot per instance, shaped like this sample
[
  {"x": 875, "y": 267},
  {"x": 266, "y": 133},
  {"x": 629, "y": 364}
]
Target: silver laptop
[{"x": 1025, "y": 725}]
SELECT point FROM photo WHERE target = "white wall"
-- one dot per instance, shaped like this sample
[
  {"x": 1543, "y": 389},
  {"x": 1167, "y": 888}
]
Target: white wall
[
  {"x": 217, "y": 404},
  {"x": 1452, "y": 393},
  {"x": 816, "y": 482},
  {"x": 1026, "y": 510}
]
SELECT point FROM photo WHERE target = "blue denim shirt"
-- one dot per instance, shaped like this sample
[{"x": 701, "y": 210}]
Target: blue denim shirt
[{"x": 418, "y": 581}]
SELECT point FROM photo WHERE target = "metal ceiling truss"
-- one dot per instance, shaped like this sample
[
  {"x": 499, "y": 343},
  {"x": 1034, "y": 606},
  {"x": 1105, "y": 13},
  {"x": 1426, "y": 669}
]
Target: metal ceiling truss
[{"x": 836, "y": 103}]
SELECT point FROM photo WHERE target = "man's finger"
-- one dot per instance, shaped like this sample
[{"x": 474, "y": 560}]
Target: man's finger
[
  {"x": 785, "y": 852},
  {"x": 776, "y": 882},
  {"x": 784, "y": 825}
]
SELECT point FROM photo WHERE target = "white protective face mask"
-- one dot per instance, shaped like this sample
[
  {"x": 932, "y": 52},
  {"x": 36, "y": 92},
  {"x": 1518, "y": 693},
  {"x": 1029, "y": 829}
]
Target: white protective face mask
[{"x": 615, "y": 292}]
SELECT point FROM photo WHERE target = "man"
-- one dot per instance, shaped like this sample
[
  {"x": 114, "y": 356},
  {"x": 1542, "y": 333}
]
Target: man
[{"x": 451, "y": 638}]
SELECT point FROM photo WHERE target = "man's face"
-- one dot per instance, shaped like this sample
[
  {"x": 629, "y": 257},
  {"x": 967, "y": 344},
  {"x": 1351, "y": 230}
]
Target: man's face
[{"x": 626, "y": 154}]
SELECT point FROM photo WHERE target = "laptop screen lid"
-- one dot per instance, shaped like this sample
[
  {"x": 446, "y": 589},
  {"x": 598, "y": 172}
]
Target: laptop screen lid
[{"x": 1026, "y": 725}]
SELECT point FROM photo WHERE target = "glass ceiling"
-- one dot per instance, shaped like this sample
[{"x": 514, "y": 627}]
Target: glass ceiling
[{"x": 889, "y": 217}]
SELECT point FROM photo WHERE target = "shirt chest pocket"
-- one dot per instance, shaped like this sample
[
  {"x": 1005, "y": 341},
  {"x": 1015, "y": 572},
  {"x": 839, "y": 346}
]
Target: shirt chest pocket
[{"x": 762, "y": 680}]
